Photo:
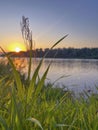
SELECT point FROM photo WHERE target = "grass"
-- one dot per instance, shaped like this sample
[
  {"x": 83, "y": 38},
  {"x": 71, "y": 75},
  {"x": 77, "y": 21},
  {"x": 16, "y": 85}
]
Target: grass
[
  {"x": 44, "y": 107},
  {"x": 29, "y": 104}
]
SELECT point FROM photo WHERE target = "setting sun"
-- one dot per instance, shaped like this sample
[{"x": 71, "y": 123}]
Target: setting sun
[
  {"x": 17, "y": 49},
  {"x": 16, "y": 46}
]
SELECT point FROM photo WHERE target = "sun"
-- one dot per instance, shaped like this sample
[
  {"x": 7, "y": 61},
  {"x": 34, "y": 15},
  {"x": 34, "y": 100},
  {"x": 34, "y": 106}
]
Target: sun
[{"x": 17, "y": 49}]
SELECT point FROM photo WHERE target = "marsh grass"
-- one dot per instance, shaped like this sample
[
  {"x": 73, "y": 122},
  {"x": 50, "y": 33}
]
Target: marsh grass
[{"x": 29, "y": 104}]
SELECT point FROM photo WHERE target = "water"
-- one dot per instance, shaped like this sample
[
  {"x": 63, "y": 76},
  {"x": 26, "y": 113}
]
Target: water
[{"x": 78, "y": 74}]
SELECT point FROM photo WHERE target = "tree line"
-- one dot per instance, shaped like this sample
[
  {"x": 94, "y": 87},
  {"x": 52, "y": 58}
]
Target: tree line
[{"x": 85, "y": 53}]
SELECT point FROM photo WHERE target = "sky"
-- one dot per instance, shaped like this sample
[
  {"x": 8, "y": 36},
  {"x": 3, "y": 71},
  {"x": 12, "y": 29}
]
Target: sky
[{"x": 49, "y": 21}]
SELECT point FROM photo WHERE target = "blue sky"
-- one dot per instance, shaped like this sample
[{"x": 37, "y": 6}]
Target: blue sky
[{"x": 49, "y": 21}]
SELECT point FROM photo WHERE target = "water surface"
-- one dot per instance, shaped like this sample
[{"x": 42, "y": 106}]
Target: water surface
[{"x": 78, "y": 74}]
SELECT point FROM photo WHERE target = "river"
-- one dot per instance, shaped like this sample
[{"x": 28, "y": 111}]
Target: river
[{"x": 76, "y": 74}]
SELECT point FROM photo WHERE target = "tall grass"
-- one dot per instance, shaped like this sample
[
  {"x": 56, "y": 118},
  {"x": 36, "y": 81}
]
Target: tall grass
[{"x": 29, "y": 104}]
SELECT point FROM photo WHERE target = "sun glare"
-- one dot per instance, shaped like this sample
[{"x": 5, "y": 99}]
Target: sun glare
[
  {"x": 16, "y": 46},
  {"x": 17, "y": 49}
]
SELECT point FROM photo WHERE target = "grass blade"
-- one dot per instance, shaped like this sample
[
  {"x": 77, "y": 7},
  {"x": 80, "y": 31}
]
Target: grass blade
[
  {"x": 35, "y": 121},
  {"x": 55, "y": 44},
  {"x": 15, "y": 118},
  {"x": 33, "y": 81},
  {"x": 16, "y": 76},
  {"x": 41, "y": 82},
  {"x": 3, "y": 123}
]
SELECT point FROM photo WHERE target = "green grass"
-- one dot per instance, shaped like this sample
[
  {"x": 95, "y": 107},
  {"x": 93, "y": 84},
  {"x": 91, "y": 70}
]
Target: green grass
[
  {"x": 46, "y": 107},
  {"x": 29, "y": 104}
]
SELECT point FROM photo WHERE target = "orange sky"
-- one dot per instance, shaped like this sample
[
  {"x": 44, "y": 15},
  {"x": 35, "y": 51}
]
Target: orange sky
[{"x": 13, "y": 46}]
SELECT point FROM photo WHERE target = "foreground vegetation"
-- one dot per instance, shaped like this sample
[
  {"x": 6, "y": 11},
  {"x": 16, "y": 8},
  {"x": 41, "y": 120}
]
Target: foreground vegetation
[
  {"x": 29, "y": 104},
  {"x": 38, "y": 106}
]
